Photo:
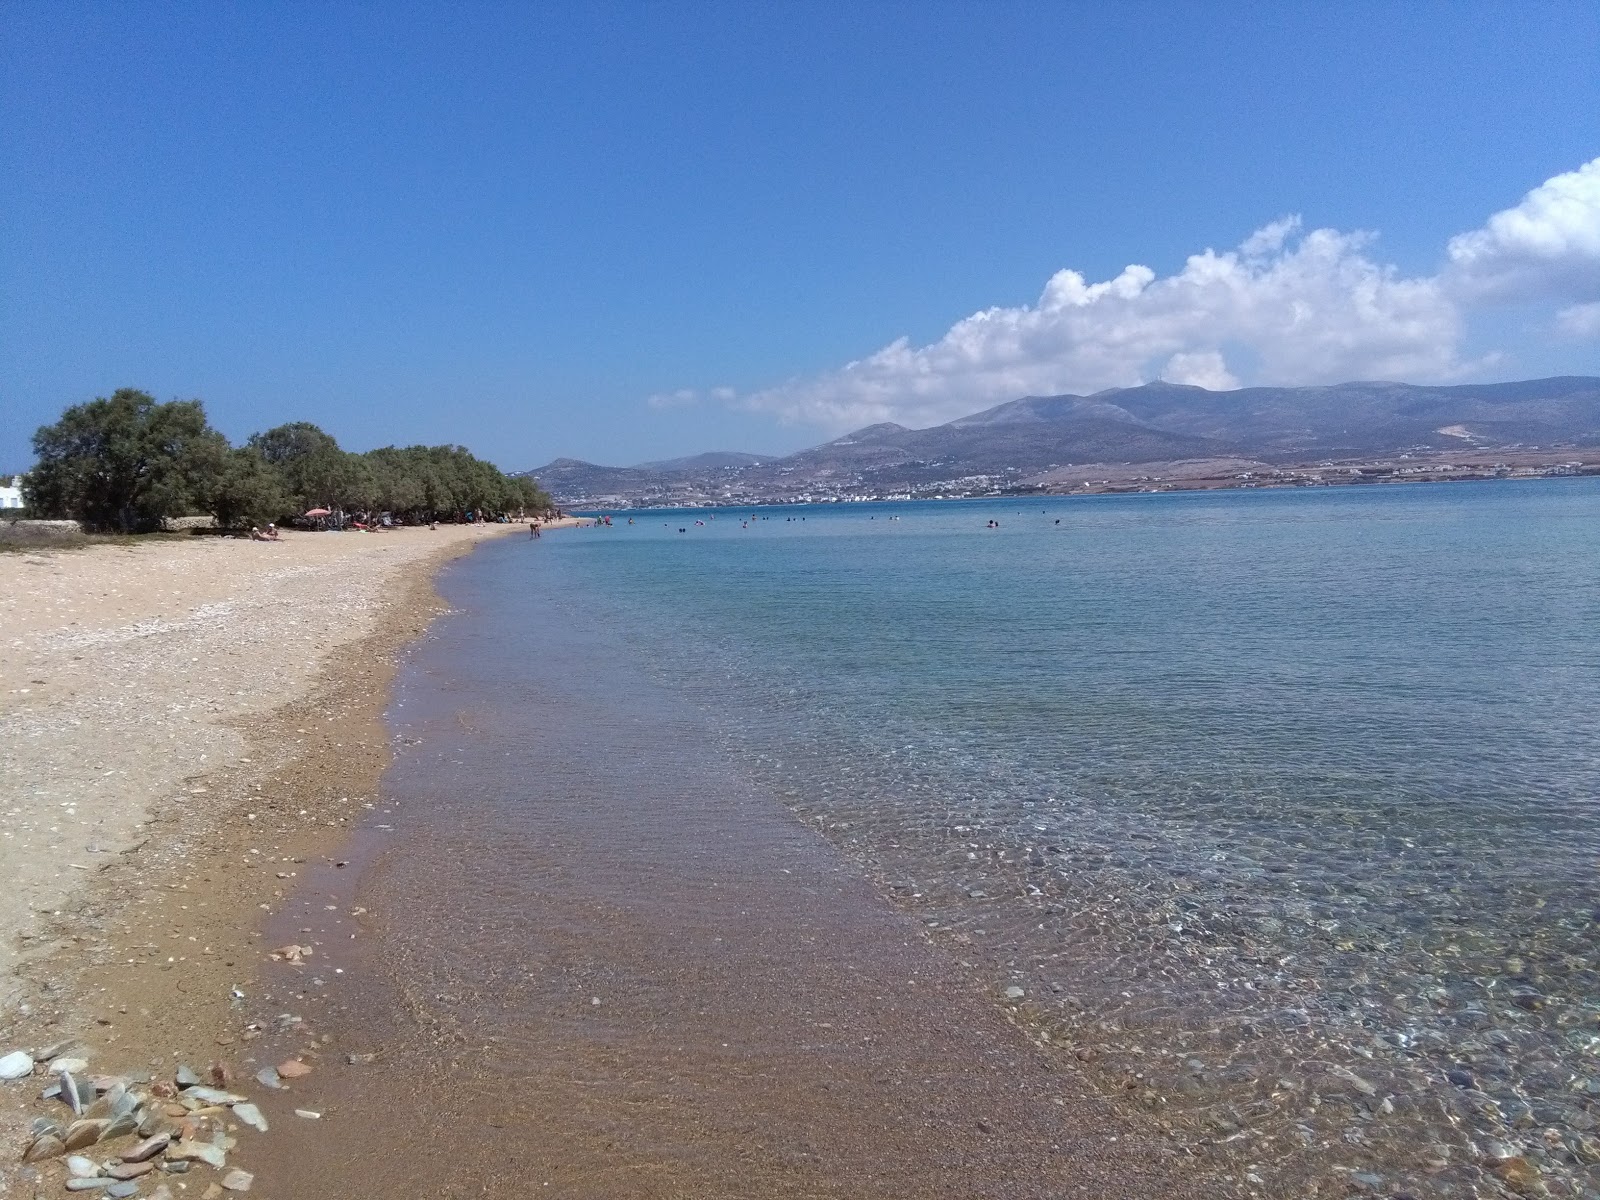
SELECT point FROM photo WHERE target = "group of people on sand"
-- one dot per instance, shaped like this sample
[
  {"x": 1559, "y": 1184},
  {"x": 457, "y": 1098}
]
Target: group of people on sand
[{"x": 269, "y": 534}]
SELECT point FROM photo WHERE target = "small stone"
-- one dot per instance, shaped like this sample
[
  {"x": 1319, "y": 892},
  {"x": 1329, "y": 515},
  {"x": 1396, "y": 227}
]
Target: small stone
[
  {"x": 84, "y": 1133},
  {"x": 268, "y": 1077},
  {"x": 1014, "y": 993},
  {"x": 120, "y": 1126},
  {"x": 185, "y": 1077},
  {"x": 208, "y": 1095},
  {"x": 175, "y": 1166},
  {"x": 220, "y": 1075},
  {"x": 1520, "y": 1175},
  {"x": 47, "y": 1146},
  {"x": 251, "y": 1116},
  {"x": 293, "y": 1069},
  {"x": 1461, "y": 1078},
  {"x": 44, "y": 1125},
  {"x": 16, "y": 1065},
  {"x": 185, "y": 1151},
  {"x": 147, "y": 1149},
  {"x": 357, "y": 1059},
  {"x": 76, "y": 1093},
  {"x": 91, "y": 1184},
  {"x": 1361, "y": 1085},
  {"x": 123, "y": 1189},
  {"x": 308, "y": 1114},
  {"x": 74, "y": 1066},
  {"x": 238, "y": 1181},
  {"x": 129, "y": 1170},
  {"x": 78, "y": 1165}
]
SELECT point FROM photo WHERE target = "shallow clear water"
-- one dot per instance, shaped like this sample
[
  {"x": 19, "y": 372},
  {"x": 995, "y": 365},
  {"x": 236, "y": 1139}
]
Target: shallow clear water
[{"x": 1282, "y": 808}]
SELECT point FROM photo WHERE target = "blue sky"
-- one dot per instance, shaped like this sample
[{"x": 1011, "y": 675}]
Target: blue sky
[{"x": 633, "y": 231}]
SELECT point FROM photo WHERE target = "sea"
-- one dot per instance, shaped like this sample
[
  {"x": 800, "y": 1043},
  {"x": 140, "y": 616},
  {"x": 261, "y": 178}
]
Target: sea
[{"x": 1268, "y": 820}]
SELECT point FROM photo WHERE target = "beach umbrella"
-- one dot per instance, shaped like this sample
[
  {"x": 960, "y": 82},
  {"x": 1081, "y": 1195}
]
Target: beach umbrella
[{"x": 319, "y": 512}]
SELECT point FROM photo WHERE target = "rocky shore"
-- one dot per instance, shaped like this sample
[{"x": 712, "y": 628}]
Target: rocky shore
[{"x": 186, "y": 725}]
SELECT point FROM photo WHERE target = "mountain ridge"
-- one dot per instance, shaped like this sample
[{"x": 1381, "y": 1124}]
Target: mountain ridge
[{"x": 1151, "y": 423}]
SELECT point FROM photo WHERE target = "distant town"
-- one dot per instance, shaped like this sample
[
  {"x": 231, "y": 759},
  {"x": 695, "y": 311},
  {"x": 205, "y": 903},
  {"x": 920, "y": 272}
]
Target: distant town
[{"x": 738, "y": 485}]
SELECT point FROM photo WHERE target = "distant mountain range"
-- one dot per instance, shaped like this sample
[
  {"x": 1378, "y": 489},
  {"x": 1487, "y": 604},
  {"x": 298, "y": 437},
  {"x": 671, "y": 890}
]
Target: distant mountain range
[{"x": 1153, "y": 423}]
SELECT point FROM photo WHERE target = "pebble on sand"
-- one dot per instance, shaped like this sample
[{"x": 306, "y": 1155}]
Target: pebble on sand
[
  {"x": 45, "y": 1146},
  {"x": 16, "y": 1065}
]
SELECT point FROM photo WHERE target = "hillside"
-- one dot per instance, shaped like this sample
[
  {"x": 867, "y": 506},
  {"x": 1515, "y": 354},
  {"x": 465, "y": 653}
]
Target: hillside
[{"x": 1153, "y": 423}]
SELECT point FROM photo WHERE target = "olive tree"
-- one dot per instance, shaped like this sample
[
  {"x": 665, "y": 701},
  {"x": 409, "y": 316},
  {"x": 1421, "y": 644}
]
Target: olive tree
[{"x": 125, "y": 462}]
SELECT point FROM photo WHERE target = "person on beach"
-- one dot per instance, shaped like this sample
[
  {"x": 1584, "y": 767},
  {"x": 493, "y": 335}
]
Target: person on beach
[{"x": 533, "y": 528}]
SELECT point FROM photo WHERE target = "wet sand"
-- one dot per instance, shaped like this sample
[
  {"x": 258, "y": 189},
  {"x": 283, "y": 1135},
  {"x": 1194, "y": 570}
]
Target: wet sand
[{"x": 591, "y": 959}]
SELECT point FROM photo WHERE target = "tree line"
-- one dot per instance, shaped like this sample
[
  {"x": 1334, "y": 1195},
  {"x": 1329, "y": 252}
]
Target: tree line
[{"x": 127, "y": 462}]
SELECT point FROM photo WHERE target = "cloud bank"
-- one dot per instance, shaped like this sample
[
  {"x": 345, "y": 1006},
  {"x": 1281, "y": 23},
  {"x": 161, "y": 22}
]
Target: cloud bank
[{"x": 1287, "y": 306}]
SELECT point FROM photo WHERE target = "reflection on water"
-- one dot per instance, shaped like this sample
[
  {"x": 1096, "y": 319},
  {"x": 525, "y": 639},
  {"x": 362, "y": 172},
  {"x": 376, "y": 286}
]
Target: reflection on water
[{"x": 1279, "y": 808}]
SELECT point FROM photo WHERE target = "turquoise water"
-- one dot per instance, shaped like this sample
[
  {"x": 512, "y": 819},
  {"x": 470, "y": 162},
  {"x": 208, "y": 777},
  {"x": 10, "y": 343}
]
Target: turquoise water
[{"x": 1281, "y": 808}]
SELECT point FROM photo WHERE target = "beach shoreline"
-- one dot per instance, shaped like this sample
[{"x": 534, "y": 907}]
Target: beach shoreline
[{"x": 187, "y": 725}]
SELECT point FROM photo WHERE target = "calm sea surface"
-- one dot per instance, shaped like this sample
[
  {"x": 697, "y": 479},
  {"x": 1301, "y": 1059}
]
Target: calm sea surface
[{"x": 1276, "y": 812}]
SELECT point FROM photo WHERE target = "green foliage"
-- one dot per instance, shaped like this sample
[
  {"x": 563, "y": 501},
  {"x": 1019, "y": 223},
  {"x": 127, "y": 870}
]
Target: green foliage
[
  {"x": 126, "y": 462},
  {"x": 314, "y": 472},
  {"x": 419, "y": 482},
  {"x": 245, "y": 491},
  {"x": 123, "y": 463}
]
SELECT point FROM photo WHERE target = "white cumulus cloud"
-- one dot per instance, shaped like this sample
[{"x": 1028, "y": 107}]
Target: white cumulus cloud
[
  {"x": 1311, "y": 308},
  {"x": 1580, "y": 321},
  {"x": 1548, "y": 245},
  {"x": 1287, "y": 306},
  {"x": 1200, "y": 368}
]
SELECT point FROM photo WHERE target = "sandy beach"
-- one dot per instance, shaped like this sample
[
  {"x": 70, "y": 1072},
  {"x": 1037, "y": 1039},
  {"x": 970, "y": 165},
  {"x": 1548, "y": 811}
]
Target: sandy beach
[{"x": 184, "y": 723}]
